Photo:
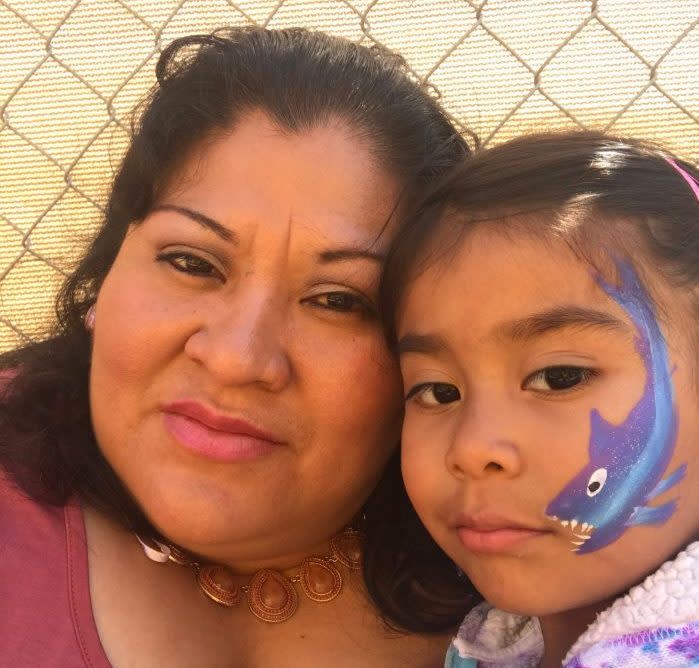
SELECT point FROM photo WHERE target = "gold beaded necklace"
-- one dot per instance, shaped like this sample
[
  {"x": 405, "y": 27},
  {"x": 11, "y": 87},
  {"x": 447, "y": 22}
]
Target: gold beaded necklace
[{"x": 271, "y": 596}]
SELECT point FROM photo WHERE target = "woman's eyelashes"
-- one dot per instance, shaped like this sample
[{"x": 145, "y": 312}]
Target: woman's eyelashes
[
  {"x": 433, "y": 394},
  {"x": 343, "y": 301},
  {"x": 559, "y": 378},
  {"x": 335, "y": 301},
  {"x": 190, "y": 264}
]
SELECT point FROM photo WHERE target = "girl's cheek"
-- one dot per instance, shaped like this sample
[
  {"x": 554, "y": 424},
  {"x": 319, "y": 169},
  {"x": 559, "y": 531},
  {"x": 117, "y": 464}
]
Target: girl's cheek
[{"x": 421, "y": 470}]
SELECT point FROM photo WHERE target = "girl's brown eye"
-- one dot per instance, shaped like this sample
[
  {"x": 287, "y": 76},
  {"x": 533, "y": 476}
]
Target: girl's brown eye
[
  {"x": 434, "y": 394},
  {"x": 558, "y": 378}
]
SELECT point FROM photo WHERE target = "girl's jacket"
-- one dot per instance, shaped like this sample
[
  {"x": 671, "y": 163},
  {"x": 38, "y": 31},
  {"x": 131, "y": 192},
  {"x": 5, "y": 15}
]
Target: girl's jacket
[{"x": 655, "y": 625}]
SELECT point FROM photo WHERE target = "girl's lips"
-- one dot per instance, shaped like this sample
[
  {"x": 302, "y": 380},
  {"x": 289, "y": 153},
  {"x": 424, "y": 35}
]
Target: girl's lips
[
  {"x": 215, "y": 436},
  {"x": 496, "y": 540}
]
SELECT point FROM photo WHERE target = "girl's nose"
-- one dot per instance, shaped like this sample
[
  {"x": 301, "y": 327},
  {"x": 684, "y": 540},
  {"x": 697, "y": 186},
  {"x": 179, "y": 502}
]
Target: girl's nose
[
  {"x": 485, "y": 444},
  {"x": 244, "y": 343}
]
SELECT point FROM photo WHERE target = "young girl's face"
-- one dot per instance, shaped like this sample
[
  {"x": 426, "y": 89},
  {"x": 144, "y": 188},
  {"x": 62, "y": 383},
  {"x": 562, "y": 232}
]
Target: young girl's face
[{"x": 551, "y": 423}]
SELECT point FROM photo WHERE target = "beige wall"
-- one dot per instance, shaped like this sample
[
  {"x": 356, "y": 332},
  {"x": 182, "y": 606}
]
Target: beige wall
[{"x": 70, "y": 71}]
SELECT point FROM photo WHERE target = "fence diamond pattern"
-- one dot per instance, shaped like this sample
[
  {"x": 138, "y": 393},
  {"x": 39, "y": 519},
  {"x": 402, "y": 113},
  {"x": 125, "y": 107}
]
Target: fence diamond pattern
[{"x": 71, "y": 71}]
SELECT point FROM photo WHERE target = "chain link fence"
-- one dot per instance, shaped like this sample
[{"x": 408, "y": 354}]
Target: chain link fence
[{"x": 72, "y": 70}]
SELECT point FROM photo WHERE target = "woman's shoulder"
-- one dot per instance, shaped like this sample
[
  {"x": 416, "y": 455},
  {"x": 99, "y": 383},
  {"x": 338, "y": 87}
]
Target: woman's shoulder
[
  {"x": 29, "y": 523},
  {"x": 33, "y": 550},
  {"x": 30, "y": 528},
  {"x": 44, "y": 586}
]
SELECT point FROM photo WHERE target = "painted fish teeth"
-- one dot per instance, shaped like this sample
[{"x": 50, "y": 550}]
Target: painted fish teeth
[{"x": 581, "y": 530}]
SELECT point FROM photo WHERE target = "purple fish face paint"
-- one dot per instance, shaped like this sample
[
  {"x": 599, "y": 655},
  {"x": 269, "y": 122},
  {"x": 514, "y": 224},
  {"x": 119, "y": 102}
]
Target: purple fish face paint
[{"x": 627, "y": 461}]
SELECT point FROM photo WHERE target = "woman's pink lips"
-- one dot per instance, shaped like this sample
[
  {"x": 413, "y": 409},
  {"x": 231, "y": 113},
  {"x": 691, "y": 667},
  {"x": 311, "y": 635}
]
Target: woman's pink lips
[
  {"x": 496, "y": 540},
  {"x": 214, "y": 436}
]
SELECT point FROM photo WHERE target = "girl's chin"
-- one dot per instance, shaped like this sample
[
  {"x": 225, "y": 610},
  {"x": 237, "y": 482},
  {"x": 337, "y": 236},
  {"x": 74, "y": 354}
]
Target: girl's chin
[
  {"x": 524, "y": 595},
  {"x": 542, "y": 603}
]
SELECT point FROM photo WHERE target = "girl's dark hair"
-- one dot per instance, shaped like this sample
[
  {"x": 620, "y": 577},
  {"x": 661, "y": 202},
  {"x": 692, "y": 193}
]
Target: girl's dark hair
[
  {"x": 590, "y": 189},
  {"x": 204, "y": 84}
]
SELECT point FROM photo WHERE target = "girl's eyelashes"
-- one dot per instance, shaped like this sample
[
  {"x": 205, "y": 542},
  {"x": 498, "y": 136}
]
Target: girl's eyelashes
[
  {"x": 559, "y": 378},
  {"x": 549, "y": 380},
  {"x": 188, "y": 263},
  {"x": 434, "y": 394}
]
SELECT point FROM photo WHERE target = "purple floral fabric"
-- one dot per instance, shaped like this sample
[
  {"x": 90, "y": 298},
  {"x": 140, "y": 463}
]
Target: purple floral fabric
[{"x": 665, "y": 647}]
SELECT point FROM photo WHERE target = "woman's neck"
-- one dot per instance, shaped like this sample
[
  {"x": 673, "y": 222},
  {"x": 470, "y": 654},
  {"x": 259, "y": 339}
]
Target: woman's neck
[
  {"x": 562, "y": 629},
  {"x": 247, "y": 559}
]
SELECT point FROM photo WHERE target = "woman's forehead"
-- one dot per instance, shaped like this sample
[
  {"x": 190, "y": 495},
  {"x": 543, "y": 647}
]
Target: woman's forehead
[{"x": 321, "y": 177}]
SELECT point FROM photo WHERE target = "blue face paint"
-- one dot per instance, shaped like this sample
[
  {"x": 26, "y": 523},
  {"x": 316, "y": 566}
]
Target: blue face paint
[{"x": 627, "y": 461}]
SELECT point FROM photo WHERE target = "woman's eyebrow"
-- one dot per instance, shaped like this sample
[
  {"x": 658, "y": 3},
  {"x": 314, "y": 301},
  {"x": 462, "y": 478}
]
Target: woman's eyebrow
[
  {"x": 202, "y": 219},
  {"x": 560, "y": 317},
  {"x": 351, "y": 253}
]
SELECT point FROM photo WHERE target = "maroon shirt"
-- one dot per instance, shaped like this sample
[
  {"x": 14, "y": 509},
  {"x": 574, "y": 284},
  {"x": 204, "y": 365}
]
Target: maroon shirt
[{"x": 45, "y": 609}]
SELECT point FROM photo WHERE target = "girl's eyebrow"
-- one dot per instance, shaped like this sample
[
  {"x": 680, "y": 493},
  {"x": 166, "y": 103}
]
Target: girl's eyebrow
[
  {"x": 523, "y": 329},
  {"x": 422, "y": 344},
  {"x": 202, "y": 219},
  {"x": 560, "y": 317}
]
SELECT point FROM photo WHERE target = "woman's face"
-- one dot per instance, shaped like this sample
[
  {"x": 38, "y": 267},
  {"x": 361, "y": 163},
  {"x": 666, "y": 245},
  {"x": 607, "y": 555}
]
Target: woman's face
[
  {"x": 240, "y": 383},
  {"x": 551, "y": 426}
]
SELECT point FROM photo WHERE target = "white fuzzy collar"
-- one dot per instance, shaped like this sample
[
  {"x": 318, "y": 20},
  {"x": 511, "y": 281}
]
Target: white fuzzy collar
[{"x": 668, "y": 597}]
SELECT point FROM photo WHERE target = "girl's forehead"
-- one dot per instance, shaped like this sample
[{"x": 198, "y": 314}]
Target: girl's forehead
[
  {"x": 496, "y": 294},
  {"x": 487, "y": 264},
  {"x": 492, "y": 277}
]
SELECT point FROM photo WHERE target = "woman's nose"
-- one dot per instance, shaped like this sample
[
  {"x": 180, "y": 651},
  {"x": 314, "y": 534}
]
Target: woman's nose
[
  {"x": 244, "y": 343},
  {"x": 485, "y": 444}
]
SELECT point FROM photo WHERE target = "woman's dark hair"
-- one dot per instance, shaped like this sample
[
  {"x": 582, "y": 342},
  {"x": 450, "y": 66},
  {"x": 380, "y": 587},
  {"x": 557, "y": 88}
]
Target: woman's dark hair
[
  {"x": 592, "y": 190},
  {"x": 204, "y": 84}
]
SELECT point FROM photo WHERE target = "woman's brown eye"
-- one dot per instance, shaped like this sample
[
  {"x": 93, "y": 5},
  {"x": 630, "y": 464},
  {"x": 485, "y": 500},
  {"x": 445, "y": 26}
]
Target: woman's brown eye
[
  {"x": 343, "y": 302},
  {"x": 189, "y": 264}
]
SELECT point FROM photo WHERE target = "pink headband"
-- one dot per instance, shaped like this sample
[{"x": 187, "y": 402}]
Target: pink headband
[{"x": 693, "y": 184}]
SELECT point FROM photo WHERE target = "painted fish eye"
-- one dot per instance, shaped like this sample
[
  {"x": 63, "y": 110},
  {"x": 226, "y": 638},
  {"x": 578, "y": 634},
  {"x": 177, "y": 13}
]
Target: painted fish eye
[{"x": 596, "y": 482}]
